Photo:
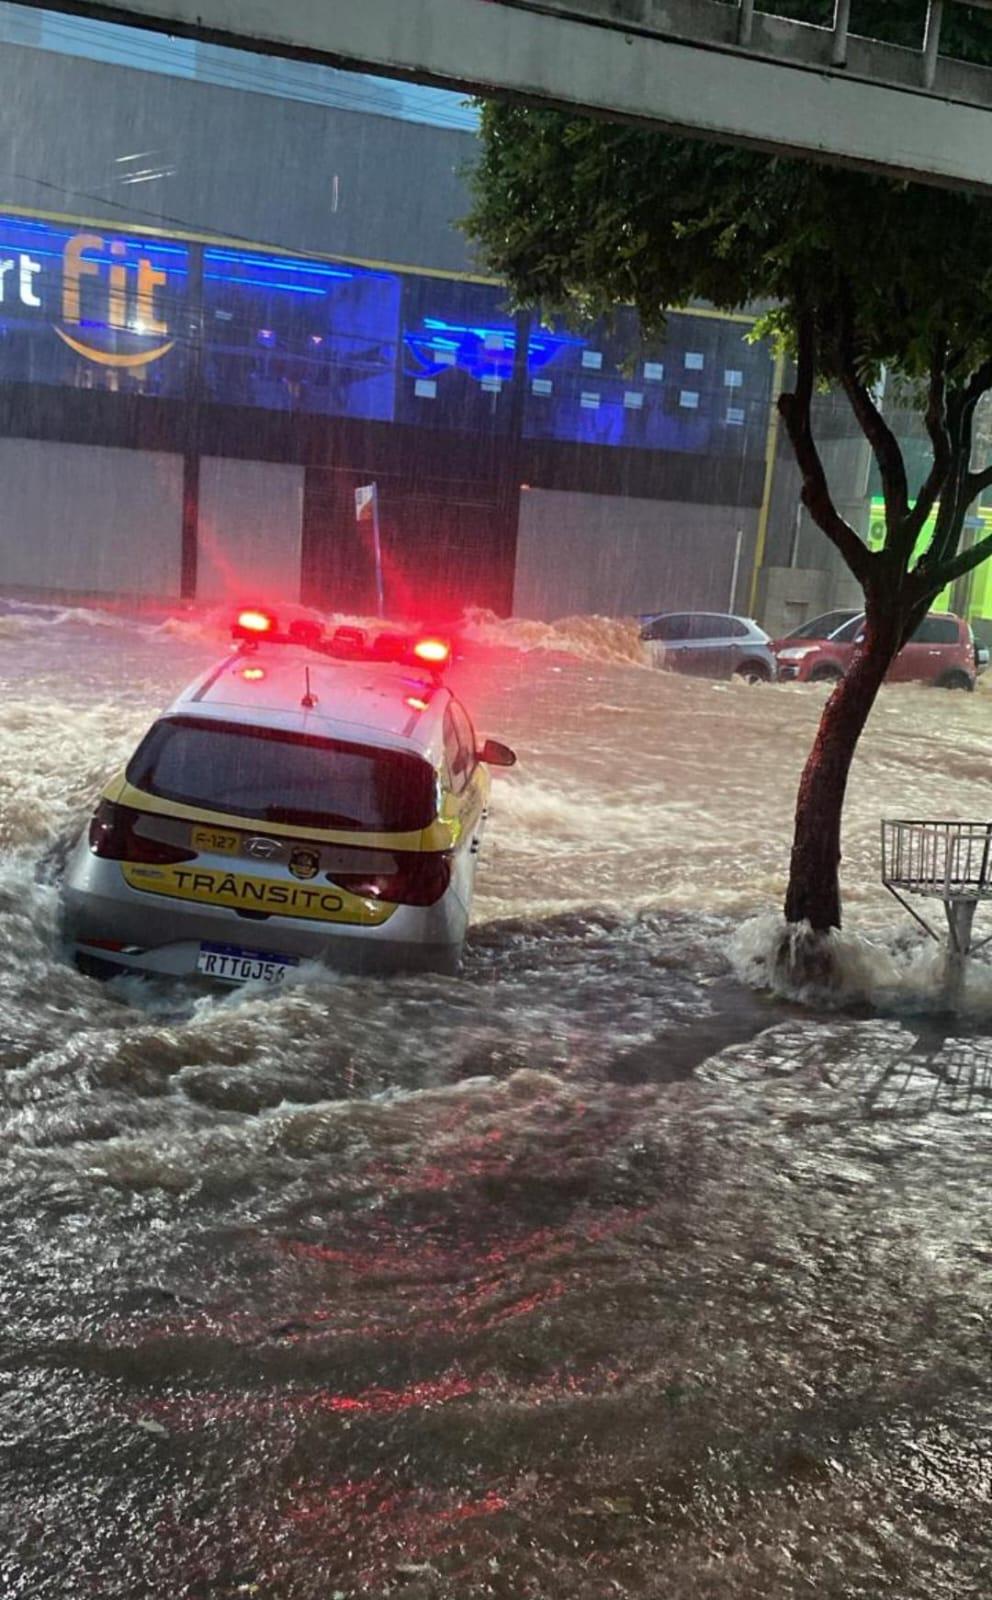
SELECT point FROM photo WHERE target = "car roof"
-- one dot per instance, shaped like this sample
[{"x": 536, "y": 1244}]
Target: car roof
[
  {"x": 712, "y": 616},
  {"x": 360, "y": 702},
  {"x": 724, "y": 616},
  {"x": 852, "y": 616}
]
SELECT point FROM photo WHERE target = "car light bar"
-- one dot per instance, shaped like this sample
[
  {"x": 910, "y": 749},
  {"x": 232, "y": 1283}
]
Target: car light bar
[{"x": 255, "y": 626}]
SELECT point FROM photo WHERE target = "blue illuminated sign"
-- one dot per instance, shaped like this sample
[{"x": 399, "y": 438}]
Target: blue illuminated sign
[
  {"x": 480, "y": 350},
  {"x": 114, "y": 301},
  {"x": 89, "y": 307}
]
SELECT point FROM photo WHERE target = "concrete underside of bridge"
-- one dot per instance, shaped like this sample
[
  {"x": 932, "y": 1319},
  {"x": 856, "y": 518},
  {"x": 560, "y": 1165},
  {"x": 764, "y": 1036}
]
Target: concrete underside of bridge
[{"x": 598, "y": 56}]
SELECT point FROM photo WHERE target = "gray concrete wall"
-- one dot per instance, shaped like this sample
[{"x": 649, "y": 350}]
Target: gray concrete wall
[
  {"x": 282, "y": 172},
  {"x": 251, "y": 529},
  {"x": 788, "y": 596},
  {"x": 802, "y": 573},
  {"x": 587, "y": 553},
  {"x": 81, "y": 519}
]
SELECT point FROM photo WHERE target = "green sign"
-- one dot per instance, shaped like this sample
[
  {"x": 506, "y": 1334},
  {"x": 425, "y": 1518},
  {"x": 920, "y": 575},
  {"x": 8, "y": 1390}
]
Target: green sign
[{"x": 977, "y": 527}]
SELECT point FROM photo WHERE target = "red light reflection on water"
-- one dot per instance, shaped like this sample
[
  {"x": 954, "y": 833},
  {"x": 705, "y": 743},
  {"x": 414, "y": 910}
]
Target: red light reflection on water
[
  {"x": 383, "y": 1525},
  {"x": 214, "y": 1408},
  {"x": 404, "y": 1286},
  {"x": 387, "y": 1401}
]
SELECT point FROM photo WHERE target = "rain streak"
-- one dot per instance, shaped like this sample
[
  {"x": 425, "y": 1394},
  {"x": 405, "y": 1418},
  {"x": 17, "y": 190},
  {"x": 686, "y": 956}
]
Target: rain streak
[{"x": 644, "y": 1253}]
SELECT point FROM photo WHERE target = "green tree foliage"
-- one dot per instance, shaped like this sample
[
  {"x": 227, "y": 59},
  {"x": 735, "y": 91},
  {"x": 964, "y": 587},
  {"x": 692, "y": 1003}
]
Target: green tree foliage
[{"x": 858, "y": 273}]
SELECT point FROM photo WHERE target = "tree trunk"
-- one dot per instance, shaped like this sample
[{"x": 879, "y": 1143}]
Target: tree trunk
[{"x": 814, "y": 885}]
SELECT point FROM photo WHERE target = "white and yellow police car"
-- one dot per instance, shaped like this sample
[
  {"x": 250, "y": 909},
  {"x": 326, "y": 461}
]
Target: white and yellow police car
[{"x": 313, "y": 796}]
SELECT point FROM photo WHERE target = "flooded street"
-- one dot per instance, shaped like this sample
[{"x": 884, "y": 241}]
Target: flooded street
[{"x": 597, "y": 1271}]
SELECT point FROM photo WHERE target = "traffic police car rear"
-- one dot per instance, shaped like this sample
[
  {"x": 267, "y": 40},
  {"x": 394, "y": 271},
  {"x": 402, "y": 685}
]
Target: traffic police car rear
[{"x": 310, "y": 797}]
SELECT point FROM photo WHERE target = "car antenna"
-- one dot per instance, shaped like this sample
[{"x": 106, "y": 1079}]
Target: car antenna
[{"x": 309, "y": 699}]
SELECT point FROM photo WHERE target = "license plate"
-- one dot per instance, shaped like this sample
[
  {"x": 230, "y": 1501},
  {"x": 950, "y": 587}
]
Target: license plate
[{"x": 230, "y": 964}]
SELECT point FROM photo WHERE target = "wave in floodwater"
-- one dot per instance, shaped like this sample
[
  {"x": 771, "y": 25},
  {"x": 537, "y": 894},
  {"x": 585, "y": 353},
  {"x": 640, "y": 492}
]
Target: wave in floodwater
[
  {"x": 608, "y": 1268},
  {"x": 606, "y": 639},
  {"x": 902, "y": 973}
]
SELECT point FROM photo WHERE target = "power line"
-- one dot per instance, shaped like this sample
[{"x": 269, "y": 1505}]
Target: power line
[{"x": 133, "y": 213}]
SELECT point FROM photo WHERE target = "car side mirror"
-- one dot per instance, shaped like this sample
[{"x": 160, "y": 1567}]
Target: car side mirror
[{"x": 495, "y": 754}]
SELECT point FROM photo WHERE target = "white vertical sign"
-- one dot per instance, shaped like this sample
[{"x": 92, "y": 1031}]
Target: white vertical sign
[{"x": 367, "y": 515}]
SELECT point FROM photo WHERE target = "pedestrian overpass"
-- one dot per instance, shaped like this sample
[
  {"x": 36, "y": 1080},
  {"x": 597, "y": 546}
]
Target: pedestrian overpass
[{"x": 719, "y": 69}]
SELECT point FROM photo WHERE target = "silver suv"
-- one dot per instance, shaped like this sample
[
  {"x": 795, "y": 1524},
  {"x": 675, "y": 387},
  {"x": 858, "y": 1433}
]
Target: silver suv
[{"x": 710, "y": 644}]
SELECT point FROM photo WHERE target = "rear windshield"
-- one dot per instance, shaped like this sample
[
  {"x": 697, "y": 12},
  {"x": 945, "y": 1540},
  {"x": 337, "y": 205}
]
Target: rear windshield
[{"x": 284, "y": 777}]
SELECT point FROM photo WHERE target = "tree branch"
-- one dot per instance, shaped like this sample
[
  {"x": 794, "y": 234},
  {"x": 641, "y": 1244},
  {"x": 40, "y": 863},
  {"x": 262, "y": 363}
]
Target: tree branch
[
  {"x": 884, "y": 445},
  {"x": 978, "y": 384},
  {"x": 959, "y": 487},
  {"x": 946, "y": 571},
  {"x": 936, "y": 421},
  {"x": 977, "y": 483},
  {"x": 796, "y": 411}
]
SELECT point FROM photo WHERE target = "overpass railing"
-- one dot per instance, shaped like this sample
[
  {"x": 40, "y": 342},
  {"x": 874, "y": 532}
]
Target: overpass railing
[{"x": 742, "y": 26}]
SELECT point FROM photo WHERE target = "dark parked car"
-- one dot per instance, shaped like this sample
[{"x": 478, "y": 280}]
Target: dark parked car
[{"x": 709, "y": 644}]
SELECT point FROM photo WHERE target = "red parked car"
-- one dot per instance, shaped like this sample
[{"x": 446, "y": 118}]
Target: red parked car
[{"x": 942, "y": 651}]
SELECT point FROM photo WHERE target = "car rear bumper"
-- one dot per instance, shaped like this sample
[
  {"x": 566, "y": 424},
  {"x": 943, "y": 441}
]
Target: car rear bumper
[
  {"x": 158, "y": 935},
  {"x": 179, "y": 960}
]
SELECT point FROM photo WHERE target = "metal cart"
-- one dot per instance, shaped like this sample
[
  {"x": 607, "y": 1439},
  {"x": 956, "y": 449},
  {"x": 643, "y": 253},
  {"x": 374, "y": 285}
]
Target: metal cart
[{"x": 946, "y": 861}]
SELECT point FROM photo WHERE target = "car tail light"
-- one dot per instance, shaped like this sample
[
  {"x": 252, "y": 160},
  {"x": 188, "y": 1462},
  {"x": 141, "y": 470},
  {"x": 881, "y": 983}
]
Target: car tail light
[
  {"x": 113, "y": 837},
  {"x": 418, "y": 879}
]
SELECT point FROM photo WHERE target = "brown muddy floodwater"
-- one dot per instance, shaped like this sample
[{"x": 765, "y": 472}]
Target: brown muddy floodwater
[{"x": 595, "y": 1272}]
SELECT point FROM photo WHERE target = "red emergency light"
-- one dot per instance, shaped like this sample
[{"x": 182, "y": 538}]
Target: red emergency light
[
  {"x": 435, "y": 652},
  {"x": 255, "y": 622}
]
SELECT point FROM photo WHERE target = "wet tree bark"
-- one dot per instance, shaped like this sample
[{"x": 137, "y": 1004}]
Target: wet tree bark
[
  {"x": 814, "y": 880},
  {"x": 898, "y": 589}
]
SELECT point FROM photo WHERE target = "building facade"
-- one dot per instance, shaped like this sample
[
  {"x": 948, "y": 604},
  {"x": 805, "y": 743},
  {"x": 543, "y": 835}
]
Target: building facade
[
  {"x": 227, "y": 304},
  {"x": 222, "y": 312}
]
